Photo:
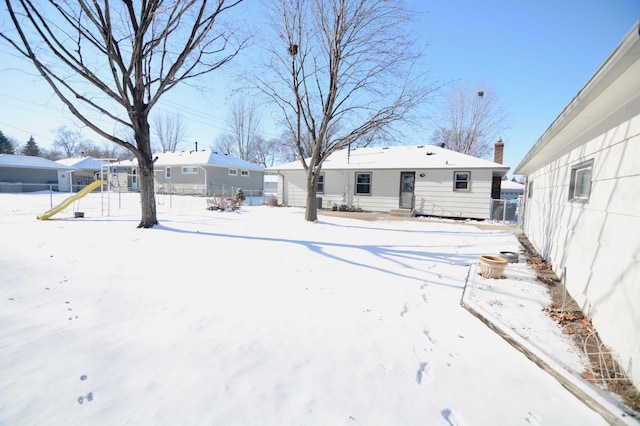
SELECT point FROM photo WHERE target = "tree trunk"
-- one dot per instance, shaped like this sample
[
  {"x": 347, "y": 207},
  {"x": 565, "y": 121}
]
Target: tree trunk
[
  {"x": 311, "y": 210},
  {"x": 147, "y": 194},
  {"x": 142, "y": 136}
]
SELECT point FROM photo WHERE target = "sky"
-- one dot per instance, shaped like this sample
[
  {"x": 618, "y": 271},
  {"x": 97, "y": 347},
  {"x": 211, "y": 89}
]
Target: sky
[
  {"x": 267, "y": 319},
  {"x": 535, "y": 55}
]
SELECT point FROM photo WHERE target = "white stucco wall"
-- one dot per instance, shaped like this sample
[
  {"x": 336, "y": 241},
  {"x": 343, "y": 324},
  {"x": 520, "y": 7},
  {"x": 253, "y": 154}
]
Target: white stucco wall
[{"x": 597, "y": 243}]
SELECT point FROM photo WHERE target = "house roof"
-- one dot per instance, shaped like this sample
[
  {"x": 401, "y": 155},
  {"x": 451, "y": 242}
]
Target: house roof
[
  {"x": 30, "y": 162},
  {"x": 509, "y": 185},
  {"x": 402, "y": 158},
  {"x": 83, "y": 163},
  {"x": 203, "y": 157},
  {"x": 613, "y": 85}
]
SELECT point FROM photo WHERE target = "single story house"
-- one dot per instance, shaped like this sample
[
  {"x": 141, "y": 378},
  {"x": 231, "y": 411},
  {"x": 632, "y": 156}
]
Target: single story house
[
  {"x": 511, "y": 190},
  {"x": 25, "y": 173},
  {"x": 420, "y": 180},
  {"x": 206, "y": 172},
  {"x": 85, "y": 170},
  {"x": 581, "y": 203}
]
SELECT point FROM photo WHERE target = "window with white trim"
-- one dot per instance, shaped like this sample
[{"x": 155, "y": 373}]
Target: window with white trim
[
  {"x": 244, "y": 173},
  {"x": 232, "y": 172},
  {"x": 167, "y": 173},
  {"x": 580, "y": 185},
  {"x": 320, "y": 188},
  {"x": 191, "y": 170},
  {"x": 461, "y": 181},
  {"x": 363, "y": 183}
]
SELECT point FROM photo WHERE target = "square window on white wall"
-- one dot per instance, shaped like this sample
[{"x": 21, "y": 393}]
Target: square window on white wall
[
  {"x": 580, "y": 185},
  {"x": 233, "y": 172},
  {"x": 244, "y": 173},
  {"x": 461, "y": 181}
]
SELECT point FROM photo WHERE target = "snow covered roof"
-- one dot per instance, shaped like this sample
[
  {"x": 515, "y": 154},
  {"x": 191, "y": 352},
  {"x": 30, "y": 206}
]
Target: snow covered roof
[
  {"x": 30, "y": 162},
  {"x": 400, "y": 157},
  {"x": 509, "y": 185},
  {"x": 83, "y": 163},
  {"x": 203, "y": 157}
]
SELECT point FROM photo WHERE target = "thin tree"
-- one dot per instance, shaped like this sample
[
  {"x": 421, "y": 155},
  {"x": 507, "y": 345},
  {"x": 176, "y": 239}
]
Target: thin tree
[
  {"x": 110, "y": 63},
  {"x": 243, "y": 124},
  {"x": 341, "y": 75},
  {"x": 471, "y": 120},
  {"x": 170, "y": 131},
  {"x": 68, "y": 140}
]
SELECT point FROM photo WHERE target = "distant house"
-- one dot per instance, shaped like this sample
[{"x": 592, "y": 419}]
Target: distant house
[
  {"x": 582, "y": 204},
  {"x": 85, "y": 171},
  {"x": 511, "y": 190},
  {"x": 420, "y": 180},
  {"x": 24, "y": 173},
  {"x": 207, "y": 171}
]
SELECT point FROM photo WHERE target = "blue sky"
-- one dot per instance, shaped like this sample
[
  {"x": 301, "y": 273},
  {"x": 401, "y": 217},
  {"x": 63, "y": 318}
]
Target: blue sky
[{"x": 536, "y": 55}]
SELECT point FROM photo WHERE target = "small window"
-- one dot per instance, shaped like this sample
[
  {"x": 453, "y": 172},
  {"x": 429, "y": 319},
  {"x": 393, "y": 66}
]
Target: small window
[
  {"x": 167, "y": 172},
  {"x": 530, "y": 189},
  {"x": 363, "y": 183},
  {"x": 244, "y": 173},
  {"x": 461, "y": 181},
  {"x": 233, "y": 172},
  {"x": 580, "y": 186},
  {"x": 320, "y": 189},
  {"x": 190, "y": 170}
]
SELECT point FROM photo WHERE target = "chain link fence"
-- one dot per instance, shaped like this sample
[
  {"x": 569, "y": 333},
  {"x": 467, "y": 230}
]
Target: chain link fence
[{"x": 506, "y": 211}]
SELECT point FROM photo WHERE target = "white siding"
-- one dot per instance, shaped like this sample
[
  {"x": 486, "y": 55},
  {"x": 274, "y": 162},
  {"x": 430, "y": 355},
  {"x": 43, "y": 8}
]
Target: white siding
[
  {"x": 435, "y": 196},
  {"x": 598, "y": 242}
]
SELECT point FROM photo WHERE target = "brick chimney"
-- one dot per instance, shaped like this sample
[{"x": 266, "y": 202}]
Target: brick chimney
[
  {"x": 498, "y": 151},
  {"x": 497, "y": 158}
]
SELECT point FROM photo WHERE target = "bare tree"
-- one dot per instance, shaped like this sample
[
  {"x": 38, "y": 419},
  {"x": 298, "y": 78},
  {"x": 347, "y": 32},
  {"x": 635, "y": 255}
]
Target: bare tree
[
  {"x": 68, "y": 140},
  {"x": 243, "y": 124},
  {"x": 170, "y": 131},
  {"x": 110, "y": 63},
  {"x": 226, "y": 144},
  {"x": 471, "y": 120},
  {"x": 342, "y": 75}
]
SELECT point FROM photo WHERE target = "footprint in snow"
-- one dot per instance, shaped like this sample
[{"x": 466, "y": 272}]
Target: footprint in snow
[
  {"x": 449, "y": 416},
  {"x": 532, "y": 419},
  {"x": 88, "y": 397},
  {"x": 404, "y": 311},
  {"x": 423, "y": 372}
]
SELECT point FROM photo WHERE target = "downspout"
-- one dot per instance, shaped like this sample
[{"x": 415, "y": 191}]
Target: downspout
[
  {"x": 280, "y": 174},
  {"x": 206, "y": 184}
]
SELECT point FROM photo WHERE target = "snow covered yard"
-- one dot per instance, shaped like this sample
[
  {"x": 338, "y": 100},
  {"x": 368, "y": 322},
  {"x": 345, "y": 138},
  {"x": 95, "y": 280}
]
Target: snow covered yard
[{"x": 254, "y": 317}]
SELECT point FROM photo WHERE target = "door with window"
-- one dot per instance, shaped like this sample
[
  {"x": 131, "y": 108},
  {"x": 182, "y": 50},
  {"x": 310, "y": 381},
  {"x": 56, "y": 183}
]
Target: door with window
[{"x": 407, "y": 183}]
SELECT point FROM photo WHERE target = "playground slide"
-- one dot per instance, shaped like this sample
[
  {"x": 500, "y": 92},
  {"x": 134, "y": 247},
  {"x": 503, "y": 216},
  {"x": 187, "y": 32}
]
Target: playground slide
[{"x": 63, "y": 205}]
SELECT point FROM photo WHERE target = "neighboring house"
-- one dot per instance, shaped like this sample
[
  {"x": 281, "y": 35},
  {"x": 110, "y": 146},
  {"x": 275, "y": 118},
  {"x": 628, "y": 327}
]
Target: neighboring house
[
  {"x": 85, "y": 171},
  {"x": 511, "y": 190},
  {"x": 197, "y": 171},
  {"x": 29, "y": 171},
  {"x": 123, "y": 176},
  {"x": 420, "y": 180},
  {"x": 581, "y": 205}
]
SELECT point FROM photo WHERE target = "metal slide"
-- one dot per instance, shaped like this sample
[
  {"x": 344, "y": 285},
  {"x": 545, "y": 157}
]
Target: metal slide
[{"x": 63, "y": 205}]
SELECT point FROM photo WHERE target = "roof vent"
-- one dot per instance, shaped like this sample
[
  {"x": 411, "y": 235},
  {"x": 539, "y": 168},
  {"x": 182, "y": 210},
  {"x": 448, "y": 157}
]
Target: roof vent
[
  {"x": 429, "y": 153},
  {"x": 420, "y": 146},
  {"x": 385, "y": 147}
]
